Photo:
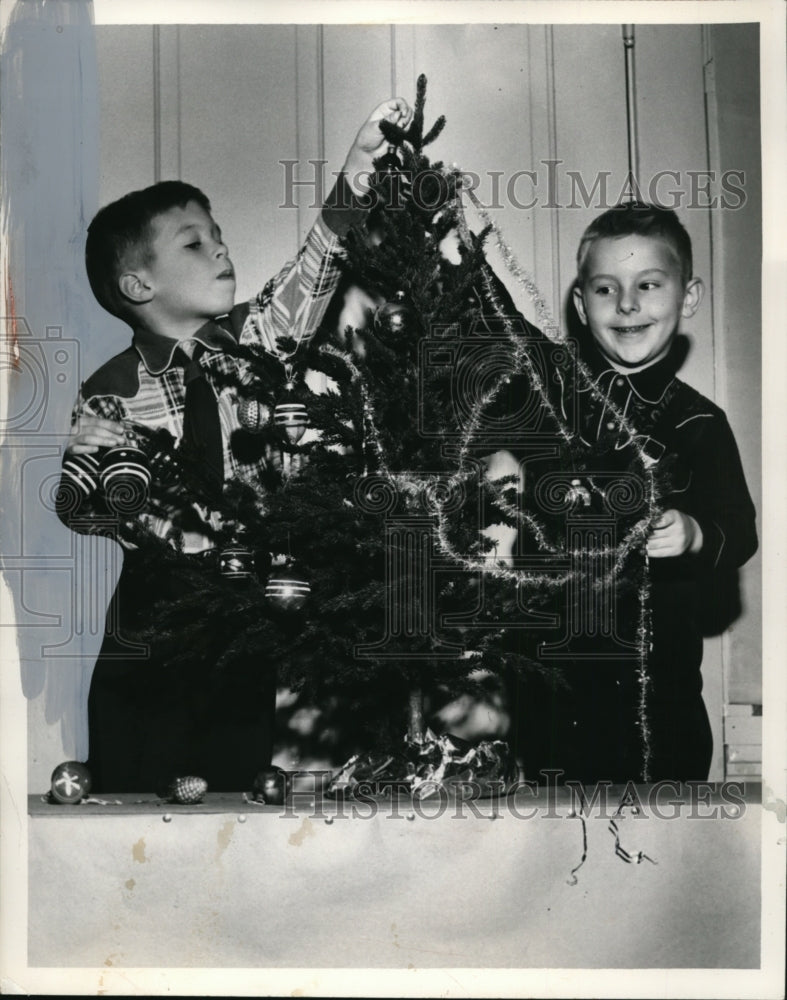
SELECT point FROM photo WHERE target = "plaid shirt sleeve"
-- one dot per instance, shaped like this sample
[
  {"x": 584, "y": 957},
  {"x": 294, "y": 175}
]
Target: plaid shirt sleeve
[{"x": 293, "y": 303}]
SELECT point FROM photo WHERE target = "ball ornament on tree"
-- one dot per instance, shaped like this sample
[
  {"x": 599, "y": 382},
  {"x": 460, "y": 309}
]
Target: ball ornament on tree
[
  {"x": 124, "y": 475},
  {"x": 389, "y": 163},
  {"x": 390, "y": 182},
  {"x": 78, "y": 482},
  {"x": 394, "y": 318},
  {"x": 236, "y": 562},
  {"x": 82, "y": 471},
  {"x": 287, "y": 589},
  {"x": 290, "y": 416},
  {"x": 253, "y": 415},
  {"x": 70, "y": 782}
]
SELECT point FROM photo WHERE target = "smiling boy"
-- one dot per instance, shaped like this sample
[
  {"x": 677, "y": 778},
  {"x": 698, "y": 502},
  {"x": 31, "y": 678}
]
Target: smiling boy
[
  {"x": 635, "y": 285},
  {"x": 156, "y": 259},
  {"x": 633, "y": 290}
]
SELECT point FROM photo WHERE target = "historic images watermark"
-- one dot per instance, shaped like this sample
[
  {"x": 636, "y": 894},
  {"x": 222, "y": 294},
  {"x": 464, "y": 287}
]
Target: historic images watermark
[
  {"x": 41, "y": 373},
  {"x": 521, "y": 800},
  {"x": 551, "y": 184}
]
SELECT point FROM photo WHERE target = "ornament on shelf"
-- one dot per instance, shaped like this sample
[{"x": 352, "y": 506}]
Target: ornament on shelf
[
  {"x": 253, "y": 415},
  {"x": 290, "y": 416},
  {"x": 287, "y": 589},
  {"x": 236, "y": 561},
  {"x": 124, "y": 474},
  {"x": 70, "y": 782},
  {"x": 393, "y": 318},
  {"x": 188, "y": 791},
  {"x": 270, "y": 787}
]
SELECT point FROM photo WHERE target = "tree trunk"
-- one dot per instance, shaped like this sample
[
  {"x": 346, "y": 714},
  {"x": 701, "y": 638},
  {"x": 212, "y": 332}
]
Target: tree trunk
[{"x": 415, "y": 726}]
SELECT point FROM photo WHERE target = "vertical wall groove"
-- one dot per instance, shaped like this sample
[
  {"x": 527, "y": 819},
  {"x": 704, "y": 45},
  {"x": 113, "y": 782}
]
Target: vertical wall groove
[
  {"x": 178, "y": 142},
  {"x": 552, "y": 134},
  {"x": 298, "y": 144},
  {"x": 631, "y": 105},
  {"x": 717, "y": 326},
  {"x": 716, "y": 261},
  {"x": 531, "y": 138},
  {"x": 156, "y": 103},
  {"x": 320, "y": 93},
  {"x": 394, "y": 88}
]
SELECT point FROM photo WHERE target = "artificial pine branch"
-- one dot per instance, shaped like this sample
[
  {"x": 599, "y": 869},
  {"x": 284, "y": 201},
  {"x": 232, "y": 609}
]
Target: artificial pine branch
[{"x": 413, "y": 134}]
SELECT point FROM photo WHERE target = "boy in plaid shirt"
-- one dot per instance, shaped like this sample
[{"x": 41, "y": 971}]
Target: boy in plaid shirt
[{"x": 157, "y": 260}]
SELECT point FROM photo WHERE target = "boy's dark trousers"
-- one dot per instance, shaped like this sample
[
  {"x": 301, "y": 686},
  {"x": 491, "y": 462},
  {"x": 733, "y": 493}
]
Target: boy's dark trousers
[
  {"x": 151, "y": 720},
  {"x": 590, "y": 726}
]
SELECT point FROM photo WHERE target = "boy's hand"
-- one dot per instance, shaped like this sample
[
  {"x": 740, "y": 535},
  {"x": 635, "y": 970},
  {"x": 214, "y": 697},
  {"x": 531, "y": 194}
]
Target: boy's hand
[
  {"x": 370, "y": 142},
  {"x": 91, "y": 433},
  {"x": 673, "y": 534}
]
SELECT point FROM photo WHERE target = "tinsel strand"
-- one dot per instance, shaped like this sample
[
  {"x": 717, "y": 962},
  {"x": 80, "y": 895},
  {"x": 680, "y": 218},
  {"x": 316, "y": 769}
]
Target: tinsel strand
[
  {"x": 356, "y": 376},
  {"x": 545, "y": 318},
  {"x": 572, "y": 879},
  {"x": 643, "y": 678},
  {"x": 521, "y": 358},
  {"x": 622, "y": 853}
]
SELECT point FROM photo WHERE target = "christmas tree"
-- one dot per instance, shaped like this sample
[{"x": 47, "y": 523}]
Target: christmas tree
[{"x": 358, "y": 567}]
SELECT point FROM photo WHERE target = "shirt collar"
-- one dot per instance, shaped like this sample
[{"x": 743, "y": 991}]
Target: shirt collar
[
  {"x": 158, "y": 353},
  {"x": 650, "y": 384}
]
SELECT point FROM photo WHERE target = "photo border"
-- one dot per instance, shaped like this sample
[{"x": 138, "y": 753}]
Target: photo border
[{"x": 18, "y": 977}]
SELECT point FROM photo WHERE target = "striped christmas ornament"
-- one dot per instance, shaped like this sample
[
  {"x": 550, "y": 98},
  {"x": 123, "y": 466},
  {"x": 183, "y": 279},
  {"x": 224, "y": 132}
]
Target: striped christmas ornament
[
  {"x": 287, "y": 589},
  {"x": 125, "y": 477},
  {"x": 291, "y": 419},
  {"x": 78, "y": 481},
  {"x": 236, "y": 562}
]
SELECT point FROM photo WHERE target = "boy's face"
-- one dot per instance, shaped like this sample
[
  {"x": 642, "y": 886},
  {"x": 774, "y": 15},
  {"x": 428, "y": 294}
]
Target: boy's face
[
  {"x": 190, "y": 276},
  {"x": 633, "y": 298}
]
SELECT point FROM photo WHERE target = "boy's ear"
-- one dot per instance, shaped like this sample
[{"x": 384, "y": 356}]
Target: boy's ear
[
  {"x": 579, "y": 304},
  {"x": 695, "y": 290},
  {"x": 134, "y": 286}
]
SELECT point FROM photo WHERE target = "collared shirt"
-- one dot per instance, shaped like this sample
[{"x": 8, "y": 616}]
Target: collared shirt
[
  {"x": 687, "y": 441},
  {"x": 627, "y": 401},
  {"x": 144, "y": 385}
]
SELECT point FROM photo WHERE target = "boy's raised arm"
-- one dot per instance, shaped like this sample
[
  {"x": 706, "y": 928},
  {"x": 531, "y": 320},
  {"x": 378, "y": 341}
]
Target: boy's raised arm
[{"x": 293, "y": 303}]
